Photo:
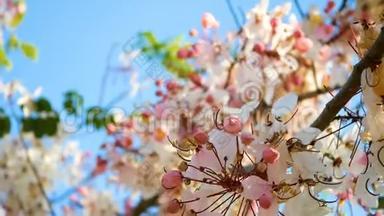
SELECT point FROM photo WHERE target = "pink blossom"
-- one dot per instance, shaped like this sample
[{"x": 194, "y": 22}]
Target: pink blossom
[
  {"x": 270, "y": 155},
  {"x": 173, "y": 206},
  {"x": 232, "y": 124},
  {"x": 259, "y": 48},
  {"x": 254, "y": 187},
  {"x": 172, "y": 179},
  {"x": 303, "y": 44},
  {"x": 201, "y": 137},
  {"x": 208, "y": 21},
  {"x": 265, "y": 200},
  {"x": 247, "y": 138}
]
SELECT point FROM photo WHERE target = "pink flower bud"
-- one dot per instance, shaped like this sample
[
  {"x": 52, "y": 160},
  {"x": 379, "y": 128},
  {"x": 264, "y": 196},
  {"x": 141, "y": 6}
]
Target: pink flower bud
[
  {"x": 259, "y": 48},
  {"x": 265, "y": 201},
  {"x": 303, "y": 44},
  {"x": 201, "y": 137},
  {"x": 173, "y": 206},
  {"x": 298, "y": 33},
  {"x": 328, "y": 29},
  {"x": 159, "y": 93},
  {"x": 247, "y": 138},
  {"x": 232, "y": 124},
  {"x": 172, "y": 179},
  {"x": 183, "y": 53},
  {"x": 158, "y": 83},
  {"x": 296, "y": 79},
  {"x": 209, "y": 21},
  {"x": 111, "y": 129},
  {"x": 172, "y": 86},
  {"x": 125, "y": 142},
  {"x": 270, "y": 155},
  {"x": 274, "y": 22},
  {"x": 209, "y": 99},
  {"x": 193, "y": 32},
  {"x": 237, "y": 103}
]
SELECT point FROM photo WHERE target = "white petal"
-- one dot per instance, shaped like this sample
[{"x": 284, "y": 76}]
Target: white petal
[
  {"x": 307, "y": 135},
  {"x": 246, "y": 110},
  {"x": 254, "y": 187},
  {"x": 285, "y": 105}
]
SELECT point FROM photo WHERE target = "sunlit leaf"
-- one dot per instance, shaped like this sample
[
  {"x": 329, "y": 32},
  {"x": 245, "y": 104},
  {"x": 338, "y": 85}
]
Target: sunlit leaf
[
  {"x": 17, "y": 19},
  {"x": 29, "y": 50}
]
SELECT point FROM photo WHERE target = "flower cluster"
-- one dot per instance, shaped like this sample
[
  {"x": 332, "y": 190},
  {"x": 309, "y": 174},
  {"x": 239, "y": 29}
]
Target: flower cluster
[{"x": 242, "y": 142}]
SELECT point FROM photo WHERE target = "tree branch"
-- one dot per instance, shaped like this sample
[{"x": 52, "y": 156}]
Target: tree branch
[
  {"x": 144, "y": 205},
  {"x": 233, "y": 13},
  {"x": 317, "y": 92},
  {"x": 350, "y": 88},
  {"x": 343, "y": 5},
  {"x": 300, "y": 10}
]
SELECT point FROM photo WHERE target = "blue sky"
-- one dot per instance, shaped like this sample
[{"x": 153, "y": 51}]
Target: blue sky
[{"x": 75, "y": 36}]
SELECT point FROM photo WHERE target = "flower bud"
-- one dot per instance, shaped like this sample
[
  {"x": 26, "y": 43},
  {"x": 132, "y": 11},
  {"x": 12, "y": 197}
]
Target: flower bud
[
  {"x": 208, "y": 21},
  {"x": 247, "y": 138},
  {"x": 201, "y": 137},
  {"x": 172, "y": 179},
  {"x": 183, "y": 53},
  {"x": 303, "y": 44},
  {"x": 193, "y": 32},
  {"x": 270, "y": 155},
  {"x": 173, "y": 206},
  {"x": 259, "y": 48},
  {"x": 232, "y": 124},
  {"x": 265, "y": 201}
]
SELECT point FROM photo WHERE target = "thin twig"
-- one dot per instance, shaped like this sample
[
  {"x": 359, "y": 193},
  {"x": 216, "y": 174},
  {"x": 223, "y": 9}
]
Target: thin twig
[
  {"x": 107, "y": 70},
  {"x": 301, "y": 12},
  {"x": 317, "y": 92},
  {"x": 32, "y": 165},
  {"x": 233, "y": 13},
  {"x": 343, "y": 5},
  {"x": 144, "y": 205},
  {"x": 36, "y": 174}
]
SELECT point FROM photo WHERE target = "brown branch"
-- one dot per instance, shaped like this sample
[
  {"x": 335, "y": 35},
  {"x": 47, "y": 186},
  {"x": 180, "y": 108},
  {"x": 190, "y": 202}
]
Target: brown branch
[
  {"x": 32, "y": 166},
  {"x": 144, "y": 205},
  {"x": 317, "y": 92},
  {"x": 351, "y": 87},
  {"x": 343, "y": 30},
  {"x": 35, "y": 172}
]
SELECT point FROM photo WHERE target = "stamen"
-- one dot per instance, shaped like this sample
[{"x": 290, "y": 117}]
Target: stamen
[
  {"x": 320, "y": 200},
  {"x": 368, "y": 190}
]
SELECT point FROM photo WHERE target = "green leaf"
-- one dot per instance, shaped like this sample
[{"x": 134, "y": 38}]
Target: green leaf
[
  {"x": 13, "y": 42},
  {"x": 150, "y": 38},
  {"x": 4, "y": 61},
  {"x": 17, "y": 19},
  {"x": 29, "y": 50}
]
